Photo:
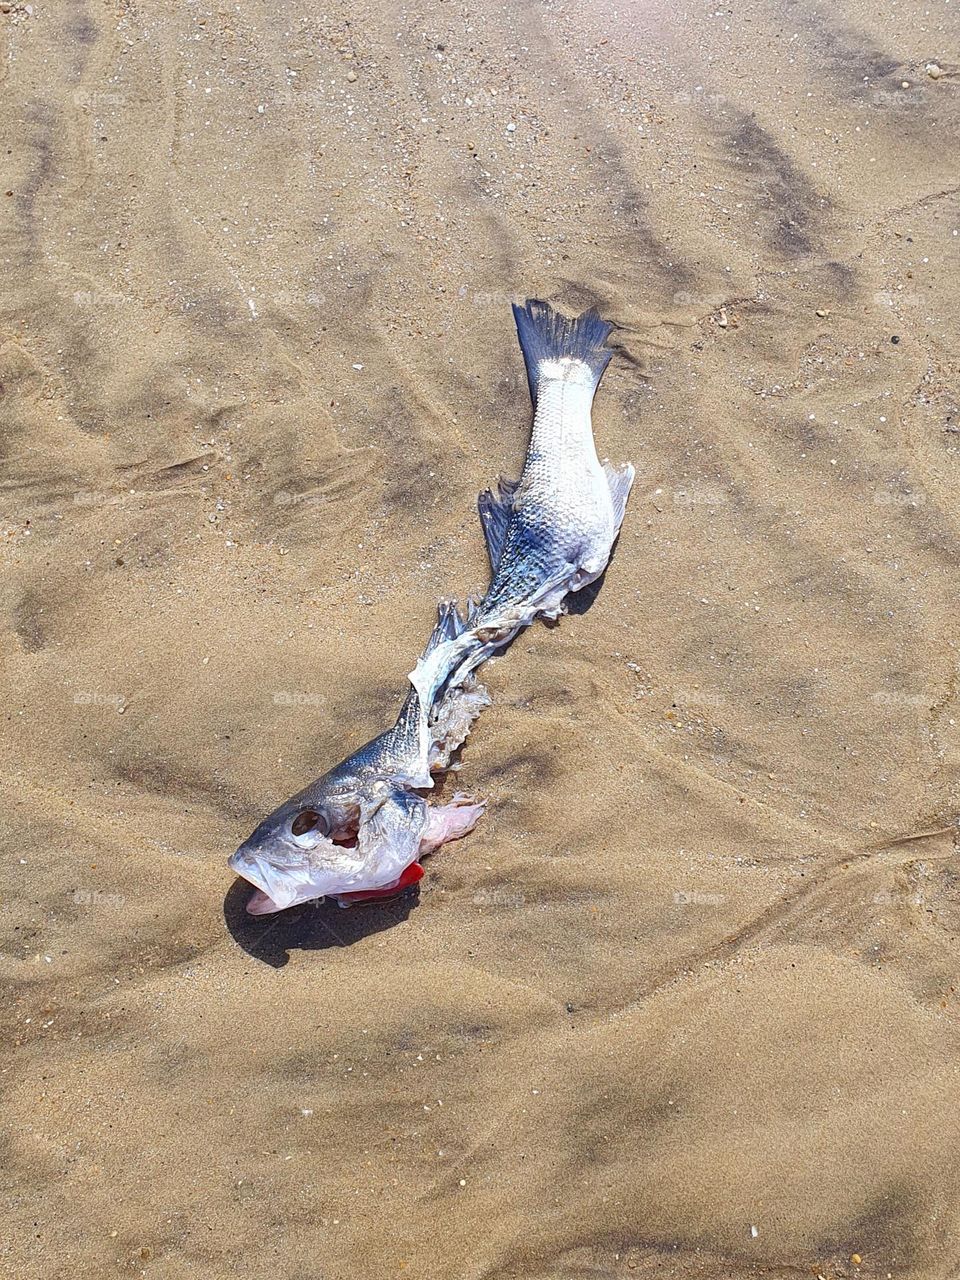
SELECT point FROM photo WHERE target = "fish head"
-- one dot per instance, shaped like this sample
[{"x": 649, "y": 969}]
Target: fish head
[
  {"x": 318, "y": 844},
  {"x": 305, "y": 849}
]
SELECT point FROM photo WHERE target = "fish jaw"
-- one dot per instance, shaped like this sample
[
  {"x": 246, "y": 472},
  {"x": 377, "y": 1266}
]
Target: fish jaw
[
  {"x": 277, "y": 887},
  {"x": 288, "y": 867},
  {"x": 261, "y": 904}
]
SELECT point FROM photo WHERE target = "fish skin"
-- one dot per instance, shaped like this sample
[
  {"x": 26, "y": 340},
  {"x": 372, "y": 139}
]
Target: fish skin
[
  {"x": 552, "y": 531},
  {"x": 370, "y": 822}
]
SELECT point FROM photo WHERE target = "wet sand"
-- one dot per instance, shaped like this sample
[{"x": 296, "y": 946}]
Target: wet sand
[{"x": 685, "y": 1004}]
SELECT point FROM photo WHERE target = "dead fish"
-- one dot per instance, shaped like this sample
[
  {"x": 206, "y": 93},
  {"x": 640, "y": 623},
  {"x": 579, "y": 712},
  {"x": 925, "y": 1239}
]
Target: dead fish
[
  {"x": 552, "y": 531},
  {"x": 357, "y": 833}
]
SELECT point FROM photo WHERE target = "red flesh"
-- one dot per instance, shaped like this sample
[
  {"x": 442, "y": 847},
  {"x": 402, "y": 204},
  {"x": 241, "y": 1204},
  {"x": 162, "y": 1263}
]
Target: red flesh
[{"x": 410, "y": 876}]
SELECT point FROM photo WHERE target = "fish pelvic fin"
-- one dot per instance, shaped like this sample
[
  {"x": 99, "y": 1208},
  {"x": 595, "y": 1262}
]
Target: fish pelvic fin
[{"x": 547, "y": 337}]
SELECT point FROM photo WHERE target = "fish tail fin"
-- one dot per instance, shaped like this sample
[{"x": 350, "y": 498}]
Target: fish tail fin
[{"x": 547, "y": 336}]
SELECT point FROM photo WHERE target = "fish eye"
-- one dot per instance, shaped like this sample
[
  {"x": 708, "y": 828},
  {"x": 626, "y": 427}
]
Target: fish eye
[{"x": 309, "y": 820}]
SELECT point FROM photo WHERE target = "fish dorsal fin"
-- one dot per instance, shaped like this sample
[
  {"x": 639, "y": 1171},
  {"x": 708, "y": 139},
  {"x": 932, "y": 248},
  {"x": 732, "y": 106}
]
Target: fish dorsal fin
[
  {"x": 448, "y": 627},
  {"x": 495, "y": 516}
]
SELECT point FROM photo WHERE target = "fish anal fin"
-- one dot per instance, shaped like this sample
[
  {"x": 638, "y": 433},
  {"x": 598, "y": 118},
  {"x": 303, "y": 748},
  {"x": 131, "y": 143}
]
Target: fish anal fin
[{"x": 619, "y": 481}]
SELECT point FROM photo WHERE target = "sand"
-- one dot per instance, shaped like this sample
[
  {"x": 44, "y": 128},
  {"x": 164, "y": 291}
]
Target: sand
[{"x": 685, "y": 1004}]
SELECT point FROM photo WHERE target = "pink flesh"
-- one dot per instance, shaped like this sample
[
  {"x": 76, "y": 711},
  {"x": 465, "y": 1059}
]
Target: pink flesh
[
  {"x": 450, "y": 822},
  {"x": 261, "y": 904}
]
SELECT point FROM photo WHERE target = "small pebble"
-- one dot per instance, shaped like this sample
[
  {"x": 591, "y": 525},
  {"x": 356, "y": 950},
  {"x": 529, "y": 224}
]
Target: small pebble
[
  {"x": 895, "y": 339},
  {"x": 934, "y": 70},
  {"x": 823, "y": 313},
  {"x": 904, "y": 84},
  {"x": 855, "y": 1259},
  {"x": 351, "y": 76}
]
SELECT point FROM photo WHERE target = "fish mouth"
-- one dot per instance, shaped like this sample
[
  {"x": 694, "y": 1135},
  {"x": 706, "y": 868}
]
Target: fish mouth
[{"x": 274, "y": 890}]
